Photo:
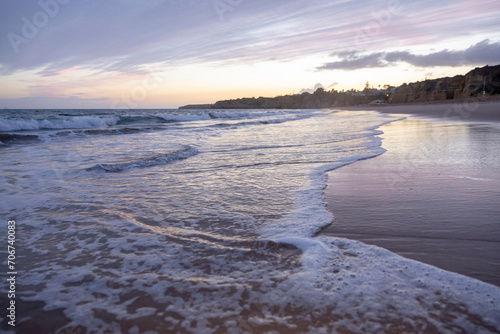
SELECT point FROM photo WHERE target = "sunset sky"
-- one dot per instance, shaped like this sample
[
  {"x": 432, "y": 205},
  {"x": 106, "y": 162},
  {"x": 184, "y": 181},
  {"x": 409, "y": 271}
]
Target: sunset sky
[{"x": 167, "y": 53}]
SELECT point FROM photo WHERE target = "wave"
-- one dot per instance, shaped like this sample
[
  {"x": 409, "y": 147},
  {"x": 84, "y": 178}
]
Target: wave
[
  {"x": 129, "y": 120},
  {"x": 210, "y": 115},
  {"x": 184, "y": 118},
  {"x": 157, "y": 160},
  {"x": 246, "y": 123},
  {"x": 12, "y": 138},
  {"x": 120, "y": 131},
  {"x": 82, "y": 122},
  {"x": 102, "y": 121},
  {"x": 229, "y": 115}
]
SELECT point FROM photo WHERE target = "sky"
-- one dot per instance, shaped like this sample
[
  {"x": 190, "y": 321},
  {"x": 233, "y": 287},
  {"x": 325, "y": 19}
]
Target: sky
[{"x": 130, "y": 54}]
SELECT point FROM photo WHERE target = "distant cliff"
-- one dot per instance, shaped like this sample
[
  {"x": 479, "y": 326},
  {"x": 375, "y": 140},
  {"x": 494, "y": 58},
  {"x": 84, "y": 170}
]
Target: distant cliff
[
  {"x": 319, "y": 99},
  {"x": 197, "y": 106},
  {"x": 458, "y": 87}
]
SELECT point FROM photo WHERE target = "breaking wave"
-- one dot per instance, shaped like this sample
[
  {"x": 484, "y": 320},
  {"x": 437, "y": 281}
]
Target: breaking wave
[
  {"x": 157, "y": 160},
  {"x": 13, "y": 138},
  {"x": 83, "y": 122}
]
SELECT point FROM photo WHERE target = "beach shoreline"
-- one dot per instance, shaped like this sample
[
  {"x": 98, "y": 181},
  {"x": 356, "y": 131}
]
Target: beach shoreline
[
  {"x": 427, "y": 197},
  {"x": 465, "y": 110},
  {"x": 217, "y": 230}
]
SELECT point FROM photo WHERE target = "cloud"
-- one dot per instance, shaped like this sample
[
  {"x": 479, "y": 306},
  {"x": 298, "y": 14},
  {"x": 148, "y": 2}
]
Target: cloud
[
  {"x": 126, "y": 35},
  {"x": 44, "y": 102},
  {"x": 103, "y": 35},
  {"x": 482, "y": 53}
]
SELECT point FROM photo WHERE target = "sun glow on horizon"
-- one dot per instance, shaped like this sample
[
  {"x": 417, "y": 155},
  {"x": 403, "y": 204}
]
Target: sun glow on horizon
[
  {"x": 208, "y": 83},
  {"x": 263, "y": 49}
]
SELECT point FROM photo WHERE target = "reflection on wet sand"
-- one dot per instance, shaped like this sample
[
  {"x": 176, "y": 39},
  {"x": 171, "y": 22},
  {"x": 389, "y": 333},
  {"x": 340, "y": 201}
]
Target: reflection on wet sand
[{"x": 433, "y": 196}]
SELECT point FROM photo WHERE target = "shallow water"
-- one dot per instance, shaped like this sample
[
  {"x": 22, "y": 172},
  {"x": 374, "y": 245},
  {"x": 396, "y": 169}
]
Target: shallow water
[
  {"x": 433, "y": 196},
  {"x": 204, "y": 221}
]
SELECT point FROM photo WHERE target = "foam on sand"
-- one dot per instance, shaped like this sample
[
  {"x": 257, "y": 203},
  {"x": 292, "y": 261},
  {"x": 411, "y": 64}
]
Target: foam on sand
[{"x": 211, "y": 229}]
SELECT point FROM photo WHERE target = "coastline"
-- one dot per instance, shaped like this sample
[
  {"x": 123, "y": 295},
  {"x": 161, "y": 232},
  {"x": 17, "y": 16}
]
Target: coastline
[
  {"x": 465, "y": 110},
  {"x": 433, "y": 195}
]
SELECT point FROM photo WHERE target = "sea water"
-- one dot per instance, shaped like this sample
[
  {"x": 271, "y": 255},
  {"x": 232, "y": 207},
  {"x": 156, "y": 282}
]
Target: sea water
[{"x": 204, "y": 221}]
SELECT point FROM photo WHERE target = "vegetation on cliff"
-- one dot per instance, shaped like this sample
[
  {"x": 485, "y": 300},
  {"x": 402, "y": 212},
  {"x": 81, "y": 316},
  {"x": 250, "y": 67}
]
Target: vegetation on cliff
[
  {"x": 317, "y": 100},
  {"x": 478, "y": 82}
]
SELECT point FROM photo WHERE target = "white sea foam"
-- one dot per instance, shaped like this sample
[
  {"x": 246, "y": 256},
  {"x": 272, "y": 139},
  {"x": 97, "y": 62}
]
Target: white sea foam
[
  {"x": 84, "y": 122},
  {"x": 221, "y": 241},
  {"x": 229, "y": 114},
  {"x": 157, "y": 160},
  {"x": 185, "y": 118},
  {"x": 207, "y": 115},
  {"x": 366, "y": 281}
]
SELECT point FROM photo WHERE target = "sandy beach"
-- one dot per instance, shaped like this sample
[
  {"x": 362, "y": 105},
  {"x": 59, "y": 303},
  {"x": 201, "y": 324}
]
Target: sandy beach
[
  {"x": 464, "y": 110},
  {"x": 206, "y": 222},
  {"x": 433, "y": 195}
]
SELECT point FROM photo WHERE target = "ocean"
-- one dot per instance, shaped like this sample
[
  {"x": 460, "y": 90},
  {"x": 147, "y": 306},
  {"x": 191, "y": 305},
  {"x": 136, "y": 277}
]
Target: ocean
[{"x": 206, "y": 221}]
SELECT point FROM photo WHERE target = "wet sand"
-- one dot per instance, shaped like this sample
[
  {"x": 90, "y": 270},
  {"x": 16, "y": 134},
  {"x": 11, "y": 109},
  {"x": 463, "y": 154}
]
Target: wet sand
[
  {"x": 462, "y": 110},
  {"x": 433, "y": 196}
]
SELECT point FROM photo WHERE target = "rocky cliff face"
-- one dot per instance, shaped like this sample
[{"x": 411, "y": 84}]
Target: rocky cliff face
[
  {"x": 489, "y": 76},
  {"x": 460, "y": 86}
]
